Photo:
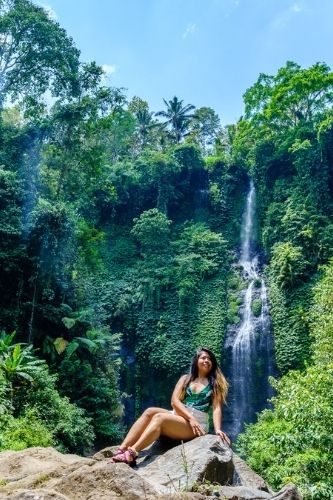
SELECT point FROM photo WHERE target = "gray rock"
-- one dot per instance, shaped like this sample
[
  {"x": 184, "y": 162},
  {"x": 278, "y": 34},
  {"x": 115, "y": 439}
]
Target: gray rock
[
  {"x": 288, "y": 492},
  {"x": 40, "y": 494},
  {"x": 182, "y": 496},
  {"x": 19, "y": 465},
  {"x": 104, "y": 481},
  {"x": 105, "y": 453},
  {"x": 162, "y": 473},
  {"x": 158, "y": 448},
  {"x": 203, "y": 458},
  {"x": 245, "y": 476},
  {"x": 243, "y": 493}
]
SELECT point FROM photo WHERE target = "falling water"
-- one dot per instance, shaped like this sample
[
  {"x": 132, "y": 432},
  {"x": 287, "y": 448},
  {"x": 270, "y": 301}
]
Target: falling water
[{"x": 249, "y": 347}]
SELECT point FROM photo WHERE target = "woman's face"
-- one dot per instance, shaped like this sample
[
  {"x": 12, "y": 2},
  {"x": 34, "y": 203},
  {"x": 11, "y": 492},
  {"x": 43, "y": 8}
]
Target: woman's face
[{"x": 204, "y": 362}]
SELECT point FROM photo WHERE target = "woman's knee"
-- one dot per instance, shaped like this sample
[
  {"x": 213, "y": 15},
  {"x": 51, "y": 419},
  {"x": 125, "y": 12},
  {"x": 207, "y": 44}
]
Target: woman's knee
[
  {"x": 158, "y": 419},
  {"x": 149, "y": 412}
]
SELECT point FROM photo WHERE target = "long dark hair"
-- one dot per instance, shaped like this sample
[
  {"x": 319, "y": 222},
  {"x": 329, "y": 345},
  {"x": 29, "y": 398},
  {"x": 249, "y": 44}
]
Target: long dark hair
[{"x": 215, "y": 377}]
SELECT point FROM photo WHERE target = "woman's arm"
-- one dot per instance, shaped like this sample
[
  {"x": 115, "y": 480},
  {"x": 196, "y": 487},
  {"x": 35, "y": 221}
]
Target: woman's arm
[
  {"x": 181, "y": 410},
  {"x": 217, "y": 420}
]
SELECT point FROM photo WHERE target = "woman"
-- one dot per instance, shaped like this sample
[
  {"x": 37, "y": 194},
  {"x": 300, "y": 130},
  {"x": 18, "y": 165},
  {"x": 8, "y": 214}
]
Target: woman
[{"x": 194, "y": 394}]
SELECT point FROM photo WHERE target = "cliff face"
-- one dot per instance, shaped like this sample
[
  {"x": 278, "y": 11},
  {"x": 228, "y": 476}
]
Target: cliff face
[{"x": 195, "y": 470}]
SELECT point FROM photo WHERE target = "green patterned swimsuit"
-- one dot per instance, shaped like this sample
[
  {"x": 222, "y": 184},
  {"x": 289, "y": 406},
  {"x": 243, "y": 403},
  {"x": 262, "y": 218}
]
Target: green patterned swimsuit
[{"x": 200, "y": 401}]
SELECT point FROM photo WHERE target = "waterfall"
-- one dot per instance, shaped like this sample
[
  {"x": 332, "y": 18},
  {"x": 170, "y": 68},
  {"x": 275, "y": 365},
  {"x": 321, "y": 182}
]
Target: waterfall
[{"x": 249, "y": 346}]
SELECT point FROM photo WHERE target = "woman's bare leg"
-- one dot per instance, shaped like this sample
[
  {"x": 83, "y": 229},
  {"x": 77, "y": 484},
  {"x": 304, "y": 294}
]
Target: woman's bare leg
[
  {"x": 166, "y": 424},
  {"x": 140, "y": 425}
]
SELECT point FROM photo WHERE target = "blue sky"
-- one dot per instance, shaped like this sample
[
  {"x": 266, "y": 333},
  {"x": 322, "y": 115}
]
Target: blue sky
[{"x": 206, "y": 52}]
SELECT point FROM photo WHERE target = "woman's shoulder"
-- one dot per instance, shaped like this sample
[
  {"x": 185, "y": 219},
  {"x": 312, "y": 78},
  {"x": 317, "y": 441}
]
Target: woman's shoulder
[{"x": 184, "y": 380}]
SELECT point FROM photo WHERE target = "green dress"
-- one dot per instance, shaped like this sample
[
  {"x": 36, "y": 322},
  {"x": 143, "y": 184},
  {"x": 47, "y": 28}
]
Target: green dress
[{"x": 200, "y": 401}]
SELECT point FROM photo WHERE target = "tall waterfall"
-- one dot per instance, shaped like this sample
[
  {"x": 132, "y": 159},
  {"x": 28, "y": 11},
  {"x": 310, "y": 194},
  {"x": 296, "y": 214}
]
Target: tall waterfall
[{"x": 249, "y": 346}]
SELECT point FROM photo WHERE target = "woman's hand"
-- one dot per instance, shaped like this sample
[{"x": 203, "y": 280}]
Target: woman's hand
[
  {"x": 224, "y": 437},
  {"x": 196, "y": 427}
]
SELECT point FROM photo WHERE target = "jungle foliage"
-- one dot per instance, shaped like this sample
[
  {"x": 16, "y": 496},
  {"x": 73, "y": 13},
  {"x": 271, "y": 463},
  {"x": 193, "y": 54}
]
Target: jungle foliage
[
  {"x": 116, "y": 236},
  {"x": 285, "y": 140}
]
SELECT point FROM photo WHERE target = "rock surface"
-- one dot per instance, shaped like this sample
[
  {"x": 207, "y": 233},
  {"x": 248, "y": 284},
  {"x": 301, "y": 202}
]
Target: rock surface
[
  {"x": 243, "y": 492},
  {"x": 204, "y": 463},
  {"x": 16, "y": 466},
  {"x": 289, "y": 492},
  {"x": 245, "y": 475},
  {"x": 204, "y": 458}
]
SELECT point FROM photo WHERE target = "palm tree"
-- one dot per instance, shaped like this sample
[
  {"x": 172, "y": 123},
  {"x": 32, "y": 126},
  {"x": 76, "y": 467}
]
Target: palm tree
[
  {"x": 145, "y": 124},
  {"x": 177, "y": 116}
]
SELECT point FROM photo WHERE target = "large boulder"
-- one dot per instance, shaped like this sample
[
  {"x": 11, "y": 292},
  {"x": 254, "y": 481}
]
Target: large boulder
[
  {"x": 204, "y": 465},
  {"x": 204, "y": 458}
]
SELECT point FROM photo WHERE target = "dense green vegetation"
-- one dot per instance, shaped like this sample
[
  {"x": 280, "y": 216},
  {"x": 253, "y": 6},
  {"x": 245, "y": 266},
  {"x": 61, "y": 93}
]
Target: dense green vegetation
[
  {"x": 118, "y": 228},
  {"x": 285, "y": 140}
]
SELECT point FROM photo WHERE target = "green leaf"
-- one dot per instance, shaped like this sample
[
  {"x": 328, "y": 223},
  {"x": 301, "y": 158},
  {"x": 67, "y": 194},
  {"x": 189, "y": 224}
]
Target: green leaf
[
  {"x": 25, "y": 376},
  {"x": 71, "y": 348},
  {"x": 90, "y": 344},
  {"x": 60, "y": 344},
  {"x": 69, "y": 322}
]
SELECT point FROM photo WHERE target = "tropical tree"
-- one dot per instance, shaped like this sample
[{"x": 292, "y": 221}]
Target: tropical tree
[
  {"x": 294, "y": 95},
  {"x": 177, "y": 117},
  {"x": 34, "y": 52},
  {"x": 145, "y": 124},
  {"x": 205, "y": 126}
]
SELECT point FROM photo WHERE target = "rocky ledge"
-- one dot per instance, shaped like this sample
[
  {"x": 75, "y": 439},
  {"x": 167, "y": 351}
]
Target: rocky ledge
[{"x": 199, "y": 469}]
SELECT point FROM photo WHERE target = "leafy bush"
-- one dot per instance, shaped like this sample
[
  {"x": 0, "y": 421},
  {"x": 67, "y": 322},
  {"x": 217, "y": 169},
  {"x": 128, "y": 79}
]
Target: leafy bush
[
  {"x": 200, "y": 254},
  {"x": 31, "y": 391},
  {"x": 288, "y": 264},
  {"x": 294, "y": 442},
  {"x": 233, "y": 309},
  {"x": 23, "y": 432},
  {"x": 152, "y": 230},
  {"x": 93, "y": 386},
  {"x": 4, "y": 403},
  {"x": 69, "y": 425},
  {"x": 256, "y": 306},
  {"x": 289, "y": 314}
]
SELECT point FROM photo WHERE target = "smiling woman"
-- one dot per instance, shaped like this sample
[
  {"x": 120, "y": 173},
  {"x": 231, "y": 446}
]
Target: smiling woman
[{"x": 194, "y": 394}]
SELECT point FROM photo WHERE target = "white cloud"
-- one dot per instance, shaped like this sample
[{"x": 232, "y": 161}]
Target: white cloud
[
  {"x": 285, "y": 16},
  {"x": 109, "y": 69},
  {"x": 189, "y": 30},
  {"x": 49, "y": 10},
  {"x": 296, "y": 7}
]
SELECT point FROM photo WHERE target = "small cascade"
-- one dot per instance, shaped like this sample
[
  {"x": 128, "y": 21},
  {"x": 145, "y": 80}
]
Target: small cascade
[{"x": 249, "y": 351}]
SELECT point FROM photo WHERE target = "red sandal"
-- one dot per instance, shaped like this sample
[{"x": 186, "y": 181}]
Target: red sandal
[
  {"x": 120, "y": 451},
  {"x": 126, "y": 457}
]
